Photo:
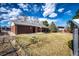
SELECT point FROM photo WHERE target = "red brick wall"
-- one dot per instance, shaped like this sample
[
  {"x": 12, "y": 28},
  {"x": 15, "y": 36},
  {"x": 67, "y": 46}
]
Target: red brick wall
[
  {"x": 36, "y": 28},
  {"x": 25, "y": 29},
  {"x": 21, "y": 29},
  {"x": 13, "y": 29},
  {"x": 39, "y": 29},
  {"x": 0, "y": 30}
]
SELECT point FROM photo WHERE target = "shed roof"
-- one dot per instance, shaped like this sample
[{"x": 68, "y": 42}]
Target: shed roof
[{"x": 76, "y": 22}]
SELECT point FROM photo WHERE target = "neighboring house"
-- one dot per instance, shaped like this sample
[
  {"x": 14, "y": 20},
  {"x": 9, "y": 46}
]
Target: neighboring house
[
  {"x": 26, "y": 25},
  {"x": 5, "y": 28},
  {"x": 61, "y": 28}
]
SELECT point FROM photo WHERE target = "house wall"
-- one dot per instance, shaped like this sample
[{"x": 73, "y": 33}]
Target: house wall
[
  {"x": 24, "y": 29},
  {"x": 0, "y": 30},
  {"x": 13, "y": 29},
  {"x": 38, "y": 29},
  {"x": 21, "y": 29},
  {"x": 44, "y": 29}
]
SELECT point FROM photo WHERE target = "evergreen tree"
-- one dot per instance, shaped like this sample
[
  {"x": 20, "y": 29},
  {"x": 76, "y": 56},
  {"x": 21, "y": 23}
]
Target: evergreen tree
[
  {"x": 77, "y": 15},
  {"x": 53, "y": 27},
  {"x": 70, "y": 26},
  {"x": 45, "y": 23}
]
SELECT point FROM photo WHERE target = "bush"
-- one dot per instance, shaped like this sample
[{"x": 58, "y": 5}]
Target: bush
[
  {"x": 70, "y": 44},
  {"x": 34, "y": 40}
]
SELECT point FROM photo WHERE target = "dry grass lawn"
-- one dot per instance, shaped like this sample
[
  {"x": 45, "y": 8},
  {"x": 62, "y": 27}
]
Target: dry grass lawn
[{"x": 45, "y": 44}]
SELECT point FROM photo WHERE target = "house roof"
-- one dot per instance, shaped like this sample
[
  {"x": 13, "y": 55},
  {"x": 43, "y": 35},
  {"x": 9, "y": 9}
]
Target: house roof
[
  {"x": 76, "y": 22},
  {"x": 29, "y": 22}
]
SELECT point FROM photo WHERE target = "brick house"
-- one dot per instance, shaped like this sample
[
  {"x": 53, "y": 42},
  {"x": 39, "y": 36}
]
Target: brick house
[{"x": 23, "y": 26}]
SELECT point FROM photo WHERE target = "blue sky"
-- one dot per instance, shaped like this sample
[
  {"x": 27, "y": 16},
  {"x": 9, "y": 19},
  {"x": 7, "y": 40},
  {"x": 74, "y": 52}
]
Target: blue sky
[{"x": 59, "y": 13}]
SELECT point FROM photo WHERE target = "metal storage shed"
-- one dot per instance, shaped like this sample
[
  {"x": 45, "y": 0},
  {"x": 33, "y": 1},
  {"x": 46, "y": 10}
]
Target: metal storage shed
[{"x": 75, "y": 37}]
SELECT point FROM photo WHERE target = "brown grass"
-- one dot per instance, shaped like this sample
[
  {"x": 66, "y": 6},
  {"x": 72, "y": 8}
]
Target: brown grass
[{"x": 48, "y": 44}]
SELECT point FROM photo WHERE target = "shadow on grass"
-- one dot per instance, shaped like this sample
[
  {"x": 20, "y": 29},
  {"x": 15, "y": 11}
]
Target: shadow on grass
[{"x": 70, "y": 44}]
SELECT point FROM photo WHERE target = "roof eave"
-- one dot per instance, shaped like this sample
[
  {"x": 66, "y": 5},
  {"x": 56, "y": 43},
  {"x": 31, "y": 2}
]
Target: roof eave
[{"x": 75, "y": 23}]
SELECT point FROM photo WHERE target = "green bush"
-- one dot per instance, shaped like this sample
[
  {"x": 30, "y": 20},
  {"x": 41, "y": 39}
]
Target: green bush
[
  {"x": 70, "y": 44},
  {"x": 34, "y": 40}
]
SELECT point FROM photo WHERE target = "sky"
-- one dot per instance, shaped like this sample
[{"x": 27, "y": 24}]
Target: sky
[{"x": 59, "y": 13}]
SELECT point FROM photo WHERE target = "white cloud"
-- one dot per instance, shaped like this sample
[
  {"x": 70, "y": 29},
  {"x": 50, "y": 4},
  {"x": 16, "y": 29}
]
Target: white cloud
[
  {"x": 4, "y": 16},
  {"x": 69, "y": 12},
  {"x": 49, "y": 20},
  {"x": 24, "y": 6},
  {"x": 53, "y": 15},
  {"x": 2, "y": 9},
  {"x": 52, "y": 20},
  {"x": 46, "y": 13},
  {"x": 9, "y": 23},
  {"x": 42, "y": 19},
  {"x": 61, "y": 10},
  {"x": 55, "y": 20},
  {"x": 8, "y": 11},
  {"x": 35, "y": 8},
  {"x": 4, "y": 21},
  {"x": 13, "y": 18},
  {"x": 48, "y": 9},
  {"x": 14, "y": 12}
]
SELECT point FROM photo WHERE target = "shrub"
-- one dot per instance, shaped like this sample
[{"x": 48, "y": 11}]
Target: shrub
[
  {"x": 34, "y": 40},
  {"x": 70, "y": 44}
]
